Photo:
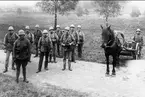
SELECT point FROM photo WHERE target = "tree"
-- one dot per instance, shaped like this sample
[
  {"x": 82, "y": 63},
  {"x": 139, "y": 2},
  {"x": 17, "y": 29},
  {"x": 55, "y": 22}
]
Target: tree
[
  {"x": 108, "y": 8},
  {"x": 56, "y": 7},
  {"x": 79, "y": 11},
  {"x": 135, "y": 12},
  {"x": 19, "y": 11},
  {"x": 86, "y": 12}
]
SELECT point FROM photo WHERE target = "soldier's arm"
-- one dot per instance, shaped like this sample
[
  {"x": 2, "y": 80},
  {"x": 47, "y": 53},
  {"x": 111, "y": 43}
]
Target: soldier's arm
[
  {"x": 142, "y": 42},
  {"x": 33, "y": 38},
  {"x": 5, "y": 40},
  {"x": 56, "y": 36},
  {"x": 77, "y": 36},
  {"x": 14, "y": 52},
  {"x": 39, "y": 43}
]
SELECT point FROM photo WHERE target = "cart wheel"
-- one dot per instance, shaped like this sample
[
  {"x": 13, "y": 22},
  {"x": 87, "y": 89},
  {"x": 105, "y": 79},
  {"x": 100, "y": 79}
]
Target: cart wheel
[{"x": 137, "y": 52}]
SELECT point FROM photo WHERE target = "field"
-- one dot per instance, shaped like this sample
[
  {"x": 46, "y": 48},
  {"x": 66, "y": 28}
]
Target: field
[{"x": 90, "y": 26}]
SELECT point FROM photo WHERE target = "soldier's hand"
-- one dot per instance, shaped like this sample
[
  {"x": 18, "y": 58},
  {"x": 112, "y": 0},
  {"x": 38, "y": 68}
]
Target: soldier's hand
[{"x": 5, "y": 51}]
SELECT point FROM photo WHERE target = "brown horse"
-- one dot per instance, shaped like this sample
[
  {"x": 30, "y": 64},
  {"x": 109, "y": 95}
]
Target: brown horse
[{"x": 111, "y": 45}]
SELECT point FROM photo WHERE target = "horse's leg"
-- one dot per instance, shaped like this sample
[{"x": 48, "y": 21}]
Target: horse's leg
[
  {"x": 114, "y": 65},
  {"x": 107, "y": 63}
]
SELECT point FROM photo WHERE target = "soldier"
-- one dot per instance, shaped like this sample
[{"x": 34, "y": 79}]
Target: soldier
[
  {"x": 30, "y": 37},
  {"x": 67, "y": 40},
  {"x": 9, "y": 40},
  {"x": 21, "y": 51},
  {"x": 75, "y": 44},
  {"x": 37, "y": 35},
  {"x": 54, "y": 39},
  {"x": 44, "y": 45},
  {"x": 138, "y": 38},
  {"x": 80, "y": 41},
  {"x": 59, "y": 34}
]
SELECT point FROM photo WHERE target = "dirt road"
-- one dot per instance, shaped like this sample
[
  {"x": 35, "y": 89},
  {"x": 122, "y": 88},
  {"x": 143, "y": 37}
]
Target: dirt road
[{"x": 89, "y": 77}]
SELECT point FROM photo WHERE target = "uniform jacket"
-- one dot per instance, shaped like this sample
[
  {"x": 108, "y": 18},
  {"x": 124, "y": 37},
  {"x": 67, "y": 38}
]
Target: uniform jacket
[
  {"x": 54, "y": 37},
  {"x": 59, "y": 34},
  {"x": 30, "y": 37},
  {"x": 9, "y": 41},
  {"x": 81, "y": 37},
  {"x": 67, "y": 39},
  {"x": 45, "y": 44},
  {"x": 76, "y": 37},
  {"x": 37, "y": 35},
  {"x": 21, "y": 49},
  {"x": 138, "y": 39}
]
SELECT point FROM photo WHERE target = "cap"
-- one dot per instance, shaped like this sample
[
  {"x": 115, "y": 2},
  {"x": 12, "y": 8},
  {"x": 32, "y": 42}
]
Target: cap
[
  {"x": 138, "y": 30},
  {"x": 58, "y": 26},
  {"x": 37, "y": 26},
  {"x": 51, "y": 28},
  {"x": 72, "y": 26},
  {"x": 79, "y": 26},
  {"x": 66, "y": 28}
]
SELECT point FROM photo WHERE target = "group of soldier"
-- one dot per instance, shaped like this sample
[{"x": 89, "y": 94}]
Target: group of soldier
[{"x": 46, "y": 42}]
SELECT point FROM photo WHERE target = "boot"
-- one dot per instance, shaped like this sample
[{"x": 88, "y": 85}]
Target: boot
[
  {"x": 6, "y": 70},
  {"x": 13, "y": 67},
  {"x": 46, "y": 65},
  {"x": 17, "y": 76},
  {"x": 24, "y": 75},
  {"x": 69, "y": 65},
  {"x": 64, "y": 65}
]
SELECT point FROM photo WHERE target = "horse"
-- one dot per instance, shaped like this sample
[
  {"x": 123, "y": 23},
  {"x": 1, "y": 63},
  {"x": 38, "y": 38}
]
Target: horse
[{"x": 111, "y": 46}]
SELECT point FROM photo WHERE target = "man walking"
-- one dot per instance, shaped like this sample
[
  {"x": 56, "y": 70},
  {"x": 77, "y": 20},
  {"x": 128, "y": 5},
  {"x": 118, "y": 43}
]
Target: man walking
[
  {"x": 54, "y": 39},
  {"x": 66, "y": 41},
  {"x": 80, "y": 41},
  {"x": 21, "y": 55},
  {"x": 75, "y": 44},
  {"x": 37, "y": 35},
  {"x": 30, "y": 37},
  {"x": 44, "y": 45},
  {"x": 9, "y": 40}
]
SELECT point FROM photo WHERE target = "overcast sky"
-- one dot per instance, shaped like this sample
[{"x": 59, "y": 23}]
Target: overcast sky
[{"x": 128, "y": 7}]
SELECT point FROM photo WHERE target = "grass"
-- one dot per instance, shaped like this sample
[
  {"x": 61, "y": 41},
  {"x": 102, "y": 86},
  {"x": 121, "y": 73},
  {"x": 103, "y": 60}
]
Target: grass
[
  {"x": 9, "y": 88},
  {"x": 90, "y": 26}
]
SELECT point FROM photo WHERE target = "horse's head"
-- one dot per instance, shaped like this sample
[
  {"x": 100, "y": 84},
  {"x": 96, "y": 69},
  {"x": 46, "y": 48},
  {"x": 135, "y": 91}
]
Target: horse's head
[{"x": 107, "y": 36}]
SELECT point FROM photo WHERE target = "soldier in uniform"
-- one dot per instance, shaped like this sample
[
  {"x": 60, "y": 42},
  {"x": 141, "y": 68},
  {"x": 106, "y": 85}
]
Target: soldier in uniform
[
  {"x": 75, "y": 44},
  {"x": 30, "y": 37},
  {"x": 138, "y": 38},
  {"x": 67, "y": 40},
  {"x": 37, "y": 35},
  {"x": 59, "y": 34},
  {"x": 54, "y": 39},
  {"x": 9, "y": 40},
  {"x": 80, "y": 41},
  {"x": 21, "y": 54},
  {"x": 45, "y": 46}
]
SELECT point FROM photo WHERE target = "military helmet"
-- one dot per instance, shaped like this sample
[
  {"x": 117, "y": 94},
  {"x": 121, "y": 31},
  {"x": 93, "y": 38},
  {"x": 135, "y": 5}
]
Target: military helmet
[
  {"x": 45, "y": 32},
  {"x": 58, "y": 26},
  {"x": 51, "y": 28},
  {"x": 21, "y": 32},
  {"x": 27, "y": 27},
  {"x": 67, "y": 28},
  {"x": 138, "y": 30},
  {"x": 72, "y": 26},
  {"x": 37, "y": 26},
  {"x": 79, "y": 26},
  {"x": 10, "y": 28}
]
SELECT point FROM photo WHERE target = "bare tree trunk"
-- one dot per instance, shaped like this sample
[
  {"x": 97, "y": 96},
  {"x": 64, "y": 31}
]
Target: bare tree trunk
[
  {"x": 55, "y": 15},
  {"x": 106, "y": 21}
]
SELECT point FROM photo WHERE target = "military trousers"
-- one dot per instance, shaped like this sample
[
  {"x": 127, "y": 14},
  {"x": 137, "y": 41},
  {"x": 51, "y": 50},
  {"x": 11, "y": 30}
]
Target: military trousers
[
  {"x": 20, "y": 63},
  {"x": 7, "y": 59},
  {"x": 80, "y": 47},
  {"x": 53, "y": 53},
  {"x": 36, "y": 48},
  {"x": 73, "y": 53},
  {"x": 41, "y": 57},
  {"x": 67, "y": 55}
]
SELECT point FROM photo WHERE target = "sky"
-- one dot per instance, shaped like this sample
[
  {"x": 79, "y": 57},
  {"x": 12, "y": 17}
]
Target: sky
[{"x": 128, "y": 7}]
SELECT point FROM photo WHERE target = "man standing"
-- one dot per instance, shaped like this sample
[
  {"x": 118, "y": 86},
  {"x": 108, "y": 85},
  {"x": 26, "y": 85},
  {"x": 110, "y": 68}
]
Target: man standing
[
  {"x": 44, "y": 45},
  {"x": 9, "y": 40},
  {"x": 30, "y": 37},
  {"x": 37, "y": 35},
  {"x": 54, "y": 39},
  {"x": 66, "y": 41},
  {"x": 138, "y": 38},
  {"x": 80, "y": 41},
  {"x": 75, "y": 35},
  {"x": 21, "y": 55},
  {"x": 59, "y": 34}
]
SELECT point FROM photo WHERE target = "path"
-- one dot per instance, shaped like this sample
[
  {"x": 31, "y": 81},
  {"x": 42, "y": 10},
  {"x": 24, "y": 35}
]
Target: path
[{"x": 90, "y": 77}]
